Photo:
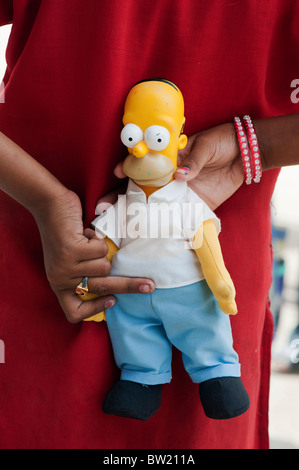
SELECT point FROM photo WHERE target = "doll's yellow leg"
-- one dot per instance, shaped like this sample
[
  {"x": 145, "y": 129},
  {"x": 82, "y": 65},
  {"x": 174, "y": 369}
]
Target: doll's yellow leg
[
  {"x": 86, "y": 296},
  {"x": 98, "y": 318},
  {"x": 101, "y": 316}
]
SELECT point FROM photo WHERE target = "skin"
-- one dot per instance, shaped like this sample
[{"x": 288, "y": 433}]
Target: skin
[
  {"x": 214, "y": 163},
  {"x": 70, "y": 252},
  {"x": 214, "y": 160},
  {"x": 213, "y": 156}
]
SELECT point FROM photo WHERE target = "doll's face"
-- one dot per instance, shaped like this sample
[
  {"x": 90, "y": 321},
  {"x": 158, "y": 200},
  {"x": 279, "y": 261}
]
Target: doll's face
[{"x": 153, "y": 121}]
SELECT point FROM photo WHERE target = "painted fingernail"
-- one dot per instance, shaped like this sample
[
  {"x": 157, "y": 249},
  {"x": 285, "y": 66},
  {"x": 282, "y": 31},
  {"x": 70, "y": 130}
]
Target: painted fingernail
[
  {"x": 184, "y": 170},
  {"x": 146, "y": 288},
  {"x": 109, "y": 303}
]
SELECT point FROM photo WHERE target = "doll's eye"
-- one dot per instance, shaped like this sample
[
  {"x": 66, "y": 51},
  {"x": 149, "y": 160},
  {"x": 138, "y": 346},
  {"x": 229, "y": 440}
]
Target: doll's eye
[
  {"x": 131, "y": 135},
  {"x": 156, "y": 137}
]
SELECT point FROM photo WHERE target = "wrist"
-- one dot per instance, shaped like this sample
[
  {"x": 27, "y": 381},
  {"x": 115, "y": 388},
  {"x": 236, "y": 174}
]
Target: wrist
[
  {"x": 262, "y": 146},
  {"x": 278, "y": 140},
  {"x": 51, "y": 197},
  {"x": 55, "y": 207}
]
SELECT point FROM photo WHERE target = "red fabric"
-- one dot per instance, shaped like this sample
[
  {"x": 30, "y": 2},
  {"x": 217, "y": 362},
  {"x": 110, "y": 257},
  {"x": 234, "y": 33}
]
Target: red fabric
[
  {"x": 6, "y": 12},
  {"x": 69, "y": 70}
]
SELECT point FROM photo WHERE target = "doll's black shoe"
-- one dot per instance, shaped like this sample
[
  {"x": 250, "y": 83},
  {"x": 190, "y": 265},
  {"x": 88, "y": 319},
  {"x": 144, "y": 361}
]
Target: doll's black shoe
[
  {"x": 224, "y": 397},
  {"x": 133, "y": 400}
]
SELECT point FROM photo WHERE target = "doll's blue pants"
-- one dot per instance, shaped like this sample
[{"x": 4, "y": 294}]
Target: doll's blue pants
[{"x": 143, "y": 328}]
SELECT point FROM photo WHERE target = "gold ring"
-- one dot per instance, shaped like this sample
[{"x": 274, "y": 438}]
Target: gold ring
[{"x": 82, "y": 288}]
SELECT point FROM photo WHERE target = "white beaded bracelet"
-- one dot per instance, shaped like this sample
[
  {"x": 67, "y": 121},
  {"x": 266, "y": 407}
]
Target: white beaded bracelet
[
  {"x": 249, "y": 149},
  {"x": 254, "y": 149},
  {"x": 244, "y": 149}
]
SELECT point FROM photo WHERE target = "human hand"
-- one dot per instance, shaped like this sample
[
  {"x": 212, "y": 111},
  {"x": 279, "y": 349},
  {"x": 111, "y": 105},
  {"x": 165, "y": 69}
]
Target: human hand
[
  {"x": 71, "y": 253},
  {"x": 210, "y": 163}
]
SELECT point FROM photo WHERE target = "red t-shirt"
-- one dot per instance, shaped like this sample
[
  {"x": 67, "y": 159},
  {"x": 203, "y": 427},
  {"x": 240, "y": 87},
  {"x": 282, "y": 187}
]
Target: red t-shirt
[{"x": 70, "y": 67}]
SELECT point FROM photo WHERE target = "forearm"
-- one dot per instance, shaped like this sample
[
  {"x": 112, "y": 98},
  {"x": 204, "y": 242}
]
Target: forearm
[
  {"x": 278, "y": 140},
  {"x": 70, "y": 252},
  {"x": 25, "y": 180}
]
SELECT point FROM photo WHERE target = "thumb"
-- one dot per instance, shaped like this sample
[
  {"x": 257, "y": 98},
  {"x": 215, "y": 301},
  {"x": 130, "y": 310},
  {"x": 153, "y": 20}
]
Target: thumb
[
  {"x": 193, "y": 158},
  {"x": 109, "y": 199},
  {"x": 90, "y": 234},
  {"x": 118, "y": 170}
]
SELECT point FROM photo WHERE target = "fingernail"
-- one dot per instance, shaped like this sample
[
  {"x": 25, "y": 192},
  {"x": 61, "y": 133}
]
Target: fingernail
[
  {"x": 146, "y": 288},
  {"x": 102, "y": 207},
  {"x": 184, "y": 170},
  {"x": 109, "y": 303}
]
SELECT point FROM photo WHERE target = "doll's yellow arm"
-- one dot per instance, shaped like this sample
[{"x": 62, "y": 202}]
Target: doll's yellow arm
[
  {"x": 208, "y": 250},
  {"x": 112, "y": 249}
]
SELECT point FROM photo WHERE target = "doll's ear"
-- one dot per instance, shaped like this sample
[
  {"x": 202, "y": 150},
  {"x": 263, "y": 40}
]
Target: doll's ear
[{"x": 182, "y": 141}]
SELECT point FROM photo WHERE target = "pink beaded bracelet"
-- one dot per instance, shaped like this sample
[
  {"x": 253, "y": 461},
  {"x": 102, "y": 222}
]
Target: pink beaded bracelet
[
  {"x": 249, "y": 148},
  {"x": 244, "y": 149},
  {"x": 254, "y": 149}
]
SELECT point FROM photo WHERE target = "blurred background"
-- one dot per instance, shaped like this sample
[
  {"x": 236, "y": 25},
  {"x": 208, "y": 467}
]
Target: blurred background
[
  {"x": 284, "y": 295},
  {"x": 4, "y": 34}
]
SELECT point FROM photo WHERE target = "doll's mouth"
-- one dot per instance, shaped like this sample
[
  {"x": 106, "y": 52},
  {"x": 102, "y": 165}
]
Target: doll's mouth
[
  {"x": 152, "y": 183},
  {"x": 152, "y": 170}
]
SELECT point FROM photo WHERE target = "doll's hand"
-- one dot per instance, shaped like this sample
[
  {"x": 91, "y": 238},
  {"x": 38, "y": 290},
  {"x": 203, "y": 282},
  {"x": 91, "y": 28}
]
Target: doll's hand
[
  {"x": 224, "y": 292},
  {"x": 214, "y": 163},
  {"x": 70, "y": 253}
]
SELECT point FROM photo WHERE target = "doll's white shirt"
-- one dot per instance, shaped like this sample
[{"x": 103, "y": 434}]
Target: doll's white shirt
[{"x": 155, "y": 236}]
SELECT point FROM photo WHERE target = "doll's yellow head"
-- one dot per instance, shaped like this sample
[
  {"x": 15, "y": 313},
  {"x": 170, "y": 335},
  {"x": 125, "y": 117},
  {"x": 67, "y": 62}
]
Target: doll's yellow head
[{"x": 153, "y": 124}]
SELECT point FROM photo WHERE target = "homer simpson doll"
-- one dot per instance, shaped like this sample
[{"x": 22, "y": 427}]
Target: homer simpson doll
[{"x": 180, "y": 251}]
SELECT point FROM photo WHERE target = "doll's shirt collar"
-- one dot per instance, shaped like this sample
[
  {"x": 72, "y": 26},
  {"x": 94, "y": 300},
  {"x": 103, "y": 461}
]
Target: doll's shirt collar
[{"x": 167, "y": 193}]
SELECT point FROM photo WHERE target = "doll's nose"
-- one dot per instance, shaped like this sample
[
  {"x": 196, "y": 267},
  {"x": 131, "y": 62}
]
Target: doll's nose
[{"x": 140, "y": 150}]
